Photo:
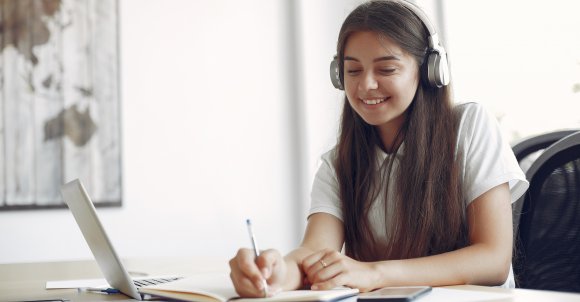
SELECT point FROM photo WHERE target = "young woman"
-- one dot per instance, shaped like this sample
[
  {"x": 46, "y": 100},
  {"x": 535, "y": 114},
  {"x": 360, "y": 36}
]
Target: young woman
[{"x": 417, "y": 190}]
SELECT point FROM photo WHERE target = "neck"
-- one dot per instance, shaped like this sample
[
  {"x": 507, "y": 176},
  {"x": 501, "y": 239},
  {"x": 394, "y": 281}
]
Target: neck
[{"x": 390, "y": 134}]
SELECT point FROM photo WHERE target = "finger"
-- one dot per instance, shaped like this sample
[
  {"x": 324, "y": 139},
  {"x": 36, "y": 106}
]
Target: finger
[
  {"x": 329, "y": 284},
  {"x": 319, "y": 270},
  {"x": 266, "y": 262},
  {"x": 273, "y": 290},
  {"x": 246, "y": 288},
  {"x": 245, "y": 262},
  {"x": 311, "y": 264},
  {"x": 324, "y": 274},
  {"x": 243, "y": 285}
]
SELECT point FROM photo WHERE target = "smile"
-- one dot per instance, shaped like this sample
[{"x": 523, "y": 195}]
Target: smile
[{"x": 374, "y": 101}]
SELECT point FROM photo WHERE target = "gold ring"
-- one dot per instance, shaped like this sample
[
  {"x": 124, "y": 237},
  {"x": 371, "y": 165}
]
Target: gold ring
[{"x": 324, "y": 265}]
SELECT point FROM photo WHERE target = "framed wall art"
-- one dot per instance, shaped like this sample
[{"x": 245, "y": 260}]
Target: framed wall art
[{"x": 59, "y": 101}]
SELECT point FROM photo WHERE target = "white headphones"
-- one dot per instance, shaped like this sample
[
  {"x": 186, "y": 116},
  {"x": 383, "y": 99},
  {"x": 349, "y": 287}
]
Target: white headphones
[{"x": 436, "y": 70}]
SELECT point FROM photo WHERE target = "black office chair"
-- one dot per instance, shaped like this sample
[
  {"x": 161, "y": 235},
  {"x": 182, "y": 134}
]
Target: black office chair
[
  {"x": 547, "y": 254},
  {"x": 528, "y": 149}
]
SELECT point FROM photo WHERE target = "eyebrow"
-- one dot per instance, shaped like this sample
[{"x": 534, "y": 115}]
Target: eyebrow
[{"x": 385, "y": 58}]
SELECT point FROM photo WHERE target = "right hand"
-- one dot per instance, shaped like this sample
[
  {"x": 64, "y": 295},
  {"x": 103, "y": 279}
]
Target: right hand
[{"x": 247, "y": 272}]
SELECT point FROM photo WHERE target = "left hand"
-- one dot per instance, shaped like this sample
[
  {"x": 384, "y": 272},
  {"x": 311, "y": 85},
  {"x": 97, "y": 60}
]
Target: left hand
[{"x": 327, "y": 269}]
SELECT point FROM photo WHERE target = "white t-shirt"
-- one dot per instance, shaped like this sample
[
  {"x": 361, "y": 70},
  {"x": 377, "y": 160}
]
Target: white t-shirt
[{"x": 488, "y": 161}]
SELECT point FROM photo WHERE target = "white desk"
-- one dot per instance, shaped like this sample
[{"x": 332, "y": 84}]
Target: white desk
[{"x": 26, "y": 281}]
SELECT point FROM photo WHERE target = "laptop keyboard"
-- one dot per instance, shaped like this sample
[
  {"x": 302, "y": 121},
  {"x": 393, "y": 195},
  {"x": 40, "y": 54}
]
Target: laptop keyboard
[{"x": 153, "y": 281}]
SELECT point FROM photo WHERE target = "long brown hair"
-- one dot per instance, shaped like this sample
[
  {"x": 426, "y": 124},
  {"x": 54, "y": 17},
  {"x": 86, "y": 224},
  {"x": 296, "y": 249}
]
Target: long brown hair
[{"x": 429, "y": 211}]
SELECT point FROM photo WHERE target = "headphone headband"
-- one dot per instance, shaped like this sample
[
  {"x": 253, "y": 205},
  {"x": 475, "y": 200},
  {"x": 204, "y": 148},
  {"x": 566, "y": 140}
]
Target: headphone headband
[
  {"x": 434, "y": 42},
  {"x": 436, "y": 67}
]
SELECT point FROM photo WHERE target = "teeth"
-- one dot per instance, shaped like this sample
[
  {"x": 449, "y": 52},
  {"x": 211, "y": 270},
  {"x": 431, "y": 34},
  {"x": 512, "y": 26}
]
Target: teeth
[{"x": 373, "y": 101}]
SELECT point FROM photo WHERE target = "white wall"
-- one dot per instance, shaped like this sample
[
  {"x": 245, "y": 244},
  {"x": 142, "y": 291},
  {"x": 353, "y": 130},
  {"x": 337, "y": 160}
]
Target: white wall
[
  {"x": 520, "y": 58},
  {"x": 205, "y": 138}
]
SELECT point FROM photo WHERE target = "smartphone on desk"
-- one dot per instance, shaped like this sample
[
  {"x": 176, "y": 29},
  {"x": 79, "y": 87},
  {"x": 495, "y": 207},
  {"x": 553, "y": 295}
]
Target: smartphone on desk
[{"x": 394, "y": 294}]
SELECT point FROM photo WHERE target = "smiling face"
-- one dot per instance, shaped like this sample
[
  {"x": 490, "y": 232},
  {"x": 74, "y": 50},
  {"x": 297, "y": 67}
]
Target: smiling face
[{"x": 380, "y": 80}]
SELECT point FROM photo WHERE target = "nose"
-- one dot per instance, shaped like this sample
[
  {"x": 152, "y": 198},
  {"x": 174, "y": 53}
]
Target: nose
[{"x": 369, "y": 82}]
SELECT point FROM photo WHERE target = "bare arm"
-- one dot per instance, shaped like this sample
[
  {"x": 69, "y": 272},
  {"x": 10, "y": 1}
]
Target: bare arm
[{"x": 485, "y": 261}]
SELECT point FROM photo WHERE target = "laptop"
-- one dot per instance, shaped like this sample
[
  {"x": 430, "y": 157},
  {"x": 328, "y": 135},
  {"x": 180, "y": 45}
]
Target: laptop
[{"x": 83, "y": 210}]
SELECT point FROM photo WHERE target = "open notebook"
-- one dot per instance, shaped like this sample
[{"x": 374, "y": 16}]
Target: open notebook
[{"x": 216, "y": 287}]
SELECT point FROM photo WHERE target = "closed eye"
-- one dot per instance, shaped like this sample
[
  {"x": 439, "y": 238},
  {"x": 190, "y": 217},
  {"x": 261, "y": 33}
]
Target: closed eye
[
  {"x": 387, "y": 71},
  {"x": 353, "y": 71}
]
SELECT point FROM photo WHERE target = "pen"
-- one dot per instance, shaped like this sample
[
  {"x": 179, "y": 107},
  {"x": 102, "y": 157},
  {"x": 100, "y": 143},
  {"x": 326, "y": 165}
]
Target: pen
[
  {"x": 256, "y": 253},
  {"x": 49, "y": 300},
  {"x": 100, "y": 290}
]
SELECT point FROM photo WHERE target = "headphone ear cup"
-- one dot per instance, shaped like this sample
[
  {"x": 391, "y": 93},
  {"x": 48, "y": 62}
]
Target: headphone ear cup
[
  {"x": 437, "y": 70},
  {"x": 443, "y": 70},
  {"x": 424, "y": 69},
  {"x": 335, "y": 74}
]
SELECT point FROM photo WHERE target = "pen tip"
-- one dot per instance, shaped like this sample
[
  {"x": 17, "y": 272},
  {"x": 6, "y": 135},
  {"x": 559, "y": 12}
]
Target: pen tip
[{"x": 248, "y": 221}]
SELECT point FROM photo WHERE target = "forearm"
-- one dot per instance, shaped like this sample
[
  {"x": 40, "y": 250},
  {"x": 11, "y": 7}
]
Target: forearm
[{"x": 475, "y": 264}]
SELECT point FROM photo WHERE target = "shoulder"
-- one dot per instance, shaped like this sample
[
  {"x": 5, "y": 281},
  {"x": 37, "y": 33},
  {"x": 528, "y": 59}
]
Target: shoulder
[
  {"x": 486, "y": 157},
  {"x": 326, "y": 167},
  {"x": 470, "y": 110},
  {"x": 329, "y": 154},
  {"x": 474, "y": 119},
  {"x": 328, "y": 158},
  {"x": 325, "y": 195}
]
